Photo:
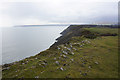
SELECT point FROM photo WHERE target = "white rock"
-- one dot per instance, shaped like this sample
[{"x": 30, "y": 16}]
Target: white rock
[
  {"x": 57, "y": 62},
  {"x": 54, "y": 58},
  {"x": 96, "y": 63},
  {"x": 36, "y": 76},
  {"x": 74, "y": 48},
  {"x": 69, "y": 49},
  {"x": 36, "y": 58},
  {"x": 65, "y": 52},
  {"x": 72, "y": 53},
  {"x": 61, "y": 69},
  {"x": 64, "y": 56},
  {"x": 58, "y": 48},
  {"x": 72, "y": 59}
]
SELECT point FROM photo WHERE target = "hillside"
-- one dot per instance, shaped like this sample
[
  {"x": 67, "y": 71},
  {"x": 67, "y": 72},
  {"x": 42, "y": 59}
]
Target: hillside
[{"x": 81, "y": 52}]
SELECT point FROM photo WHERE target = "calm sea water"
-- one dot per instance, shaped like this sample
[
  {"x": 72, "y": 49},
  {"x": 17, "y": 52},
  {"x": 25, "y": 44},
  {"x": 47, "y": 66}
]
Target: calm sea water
[{"x": 21, "y": 42}]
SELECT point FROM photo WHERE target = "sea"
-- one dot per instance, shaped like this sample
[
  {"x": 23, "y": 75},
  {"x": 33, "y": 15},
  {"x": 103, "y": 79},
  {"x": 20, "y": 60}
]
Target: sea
[{"x": 17, "y": 43}]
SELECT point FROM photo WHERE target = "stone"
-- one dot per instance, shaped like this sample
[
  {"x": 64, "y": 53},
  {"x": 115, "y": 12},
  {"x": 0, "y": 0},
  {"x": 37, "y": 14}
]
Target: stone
[
  {"x": 54, "y": 58},
  {"x": 64, "y": 56},
  {"x": 58, "y": 48},
  {"x": 42, "y": 72},
  {"x": 33, "y": 66},
  {"x": 65, "y": 47},
  {"x": 81, "y": 45},
  {"x": 84, "y": 74},
  {"x": 72, "y": 59},
  {"x": 81, "y": 58},
  {"x": 61, "y": 69},
  {"x": 65, "y": 52},
  {"x": 64, "y": 64},
  {"x": 74, "y": 48},
  {"x": 89, "y": 66},
  {"x": 57, "y": 62},
  {"x": 36, "y": 58},
  {"x": 36, "y": 76},
  {"x": 72, "y": 53},
  {"x": 69, "y": 49},
  {"x": 7, "y": 68},
  {"x": 96, "y": 63},
  {"x": 44, "y": 61},
  {"x": 80, "y": 72}
]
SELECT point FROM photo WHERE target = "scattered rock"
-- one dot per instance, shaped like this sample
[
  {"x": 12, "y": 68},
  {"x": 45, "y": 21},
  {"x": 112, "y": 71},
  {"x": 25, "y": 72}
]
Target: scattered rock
[
  {"x": 33, "y": 67},
  {"x": 27, "y": 61},
  {"x": 64, "y": 56},
  {"x": 80, "y": 72},
  {"x": 6, "y": 68},
  {"x": 96, "y": 63},
  {"x": 72, "y": 59},
  {"x": 72, "y": 53},
  {"x": 44, "y": 61},
  {"x": 75, "y": 49},
  {"x": 81, "y": 58},
  {"x": 64, "y": 64},
  {"x": 65, "y": 52},
  {"x": 69, "y": 49},
  {"x": 81, "y": 45},
  {"x": 82, "y": 65},
  {"x": 36, "y": 58},
  {"x": 84, "y": 74},
  {"x": 42, "y": 72},
  {"x": 61, "y": 69},
  {"x": 36, "y": 76},
  {"x": 57, "y": 62},
  {"x": 54, "y": 58},
  {"x": 89, "y": 66},
  {"x": 59, "y": 57},
  {"x": 58, "y": 48}
]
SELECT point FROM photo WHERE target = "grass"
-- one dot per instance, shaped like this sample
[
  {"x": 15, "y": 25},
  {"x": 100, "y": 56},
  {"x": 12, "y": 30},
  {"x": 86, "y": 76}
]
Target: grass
[
  {"x": 103, "y": 30},
  {"x": 97, "y": 58}
]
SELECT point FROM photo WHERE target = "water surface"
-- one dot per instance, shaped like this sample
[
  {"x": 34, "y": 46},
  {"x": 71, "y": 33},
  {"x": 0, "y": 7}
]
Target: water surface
[{"x": 21, "y": 42}]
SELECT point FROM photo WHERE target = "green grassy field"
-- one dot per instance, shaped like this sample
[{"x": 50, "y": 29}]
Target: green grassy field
[{"x": 80, "y": 58}]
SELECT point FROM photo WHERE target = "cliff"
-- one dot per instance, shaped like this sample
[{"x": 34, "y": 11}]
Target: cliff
[{"x": 83, "y": 51}]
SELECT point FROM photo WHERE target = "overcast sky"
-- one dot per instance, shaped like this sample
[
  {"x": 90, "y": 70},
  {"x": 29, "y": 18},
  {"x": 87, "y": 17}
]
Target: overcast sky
[{"x": 35, "y": 12}]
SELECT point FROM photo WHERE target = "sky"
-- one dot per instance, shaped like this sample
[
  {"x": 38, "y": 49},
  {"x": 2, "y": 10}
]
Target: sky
[{"x": 37, "y": 12}]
